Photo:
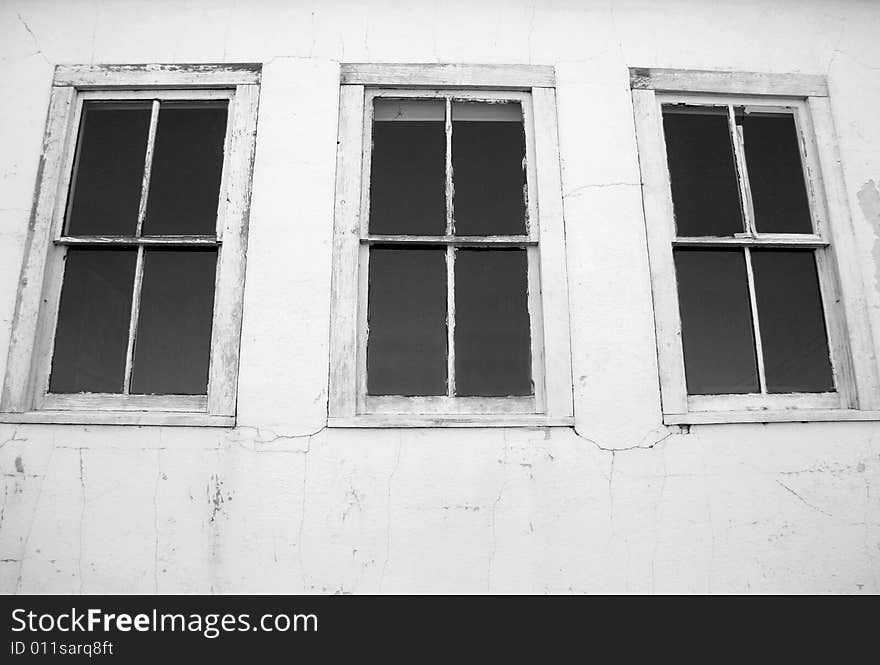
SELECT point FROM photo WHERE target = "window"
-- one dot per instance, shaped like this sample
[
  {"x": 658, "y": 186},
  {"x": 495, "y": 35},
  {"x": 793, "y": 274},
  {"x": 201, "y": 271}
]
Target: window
[
  {"x": 755, "y": 321},
  {"x": 449, "y": 292},
  {"x": 138, "y": 243}
]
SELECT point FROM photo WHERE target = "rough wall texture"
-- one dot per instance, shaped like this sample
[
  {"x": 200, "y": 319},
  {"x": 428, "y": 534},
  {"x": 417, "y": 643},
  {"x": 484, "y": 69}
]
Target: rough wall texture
[{"x": 281, "y": 504}]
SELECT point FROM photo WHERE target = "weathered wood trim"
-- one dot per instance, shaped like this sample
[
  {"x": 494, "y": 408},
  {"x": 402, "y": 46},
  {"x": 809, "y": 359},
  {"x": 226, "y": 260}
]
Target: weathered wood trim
[
  {"x": 558, "y": 395},
  {"x": 855, "y": 324},
  {"x": 534, "y": 297},
  {"x": 131, "y": 241},
  {"x": 455, "y": 75},
  {"x": 17, "y": 389},
  {"x": 344, "y": 282},
  {"x": 157, "y": 418},
  {"x": 657, "y": 202},
  {"x": 434, "y": 421},
  {"x": 465, "y": 241},
  {"x": 756, "y": 323},
  {"x": 448, "y": 405},
  {"x": 155, "y": 75},
  {"x": 726, "y": 82},
  {"x": 133, "y": 320},
  {"x": 761, "y": 416},
  {"x": 116, "y": 402},
  {"x": 793, "y": 240},
  {"x": 763, "y": 402},
  {"x": 232, "y": 260}
]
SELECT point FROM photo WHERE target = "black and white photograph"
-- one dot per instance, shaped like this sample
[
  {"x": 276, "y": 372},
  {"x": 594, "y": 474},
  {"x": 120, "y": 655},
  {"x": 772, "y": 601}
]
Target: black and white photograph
[{"x": 433, "y": 298}]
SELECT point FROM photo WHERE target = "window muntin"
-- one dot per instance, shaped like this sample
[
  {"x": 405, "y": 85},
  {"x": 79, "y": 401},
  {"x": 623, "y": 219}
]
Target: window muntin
[
  {"x": 485, "y": 367},
  {"x": 732, "y": 298},
  {"x": 180, "y": 144}
]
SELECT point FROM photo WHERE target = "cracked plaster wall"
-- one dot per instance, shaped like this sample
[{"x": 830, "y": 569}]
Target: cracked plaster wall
[{"x": 620, "y": 503}]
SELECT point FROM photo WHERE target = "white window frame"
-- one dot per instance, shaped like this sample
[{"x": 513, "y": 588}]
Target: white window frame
[
  {"x": 25, "y": 396},
  {"x": 534, "y": 88},
  {"x": 847, "y": 325}
]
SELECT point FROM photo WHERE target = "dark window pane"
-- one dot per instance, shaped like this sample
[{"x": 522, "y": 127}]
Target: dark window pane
[
  {"x": 406, "y": 350},
  {"x": 793, "y": 334},
  {"x": 92, "y": 333},
  {"x": 187, "y": 165},
  {"x": 106, "y": 188},
  {"x": 173, "y": 341},
  {"x": 705, "y": 193},
  {"x": 408, "y": 167},
  {"x": 492, "y": 350},
  {"x": 488, "y": 153},
  {"x": 716, "y": 321},
  {"x": 776, "y": 176}
]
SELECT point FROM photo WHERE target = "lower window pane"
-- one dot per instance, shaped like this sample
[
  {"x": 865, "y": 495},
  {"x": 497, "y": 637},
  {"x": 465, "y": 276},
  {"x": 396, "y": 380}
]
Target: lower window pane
[
  {"x": 406, "y": 348},
  {"x": 796, "y": 357},
  {"x": 173, "y": 341},
  {"x": 492, "y": 336},
  {"x": 91, "y": 337},
  {"x": 716, "y": 321}
]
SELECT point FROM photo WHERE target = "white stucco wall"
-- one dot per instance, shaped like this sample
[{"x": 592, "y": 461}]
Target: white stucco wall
[{"x": 620, "y": 503}]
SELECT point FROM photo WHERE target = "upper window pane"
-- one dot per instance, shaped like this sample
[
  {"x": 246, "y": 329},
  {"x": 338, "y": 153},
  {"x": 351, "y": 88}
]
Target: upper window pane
[
  {"x": 408, "y": 167},
  {"x": 776, "y": 176},
  {"x": 488, "y": 169},
  {"x": 705, "y": 194},
  {"x": 105, "y": 191},
  {"x": 187, "y": 167}
]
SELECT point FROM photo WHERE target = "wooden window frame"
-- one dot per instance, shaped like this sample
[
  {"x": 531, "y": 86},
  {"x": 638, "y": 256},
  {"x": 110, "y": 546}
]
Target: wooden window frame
[
  {"x": 833, "y": 241},
  {"x": 534, "y": 88},
  {"x": 25, "y": 396}
]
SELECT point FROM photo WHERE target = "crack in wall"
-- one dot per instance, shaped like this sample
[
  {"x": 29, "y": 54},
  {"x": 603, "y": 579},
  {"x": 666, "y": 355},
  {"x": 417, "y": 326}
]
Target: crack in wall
[
  {"x": 82, "y": 516},
  {"x": 388, "y": 500},
  {"x": 803, "y": 500},
  {"x": 13, "y": 438},
  {"x": 27, "y": 538},
  {"x": 494, "y": 545},
  {"x": 39, "y": 51},
  {"x": 302, "y": 519},
  {"x": 156, "y": 519}
]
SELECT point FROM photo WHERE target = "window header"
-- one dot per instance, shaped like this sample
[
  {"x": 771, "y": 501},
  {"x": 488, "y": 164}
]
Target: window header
[
  {"x": 508, "y": 77},
  {"x": 733, "y": 83},
  {"x": 158, "y": 75}
]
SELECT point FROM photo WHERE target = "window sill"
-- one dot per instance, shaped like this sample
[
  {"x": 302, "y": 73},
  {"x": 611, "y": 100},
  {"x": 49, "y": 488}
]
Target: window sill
[
  {"x": 161, "y": 418},
  {"x": 769, "y": 416},
  {"x": 463, "y": 420}
]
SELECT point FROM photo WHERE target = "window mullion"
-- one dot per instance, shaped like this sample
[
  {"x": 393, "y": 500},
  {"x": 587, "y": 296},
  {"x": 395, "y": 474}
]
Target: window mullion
[
  {"x": 148, "y": 167},
  {"x": 139, "y": 266},
  {"x": 133, "y": 320},
  {"x": 745, "y": 193},
  {"x": 450, "y": 259},
  {"x": 756, "y": 326}
]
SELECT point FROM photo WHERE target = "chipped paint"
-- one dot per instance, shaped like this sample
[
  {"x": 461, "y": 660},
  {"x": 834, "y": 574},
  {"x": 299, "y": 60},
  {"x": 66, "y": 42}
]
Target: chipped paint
[{"x": 869, "y": 202}]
